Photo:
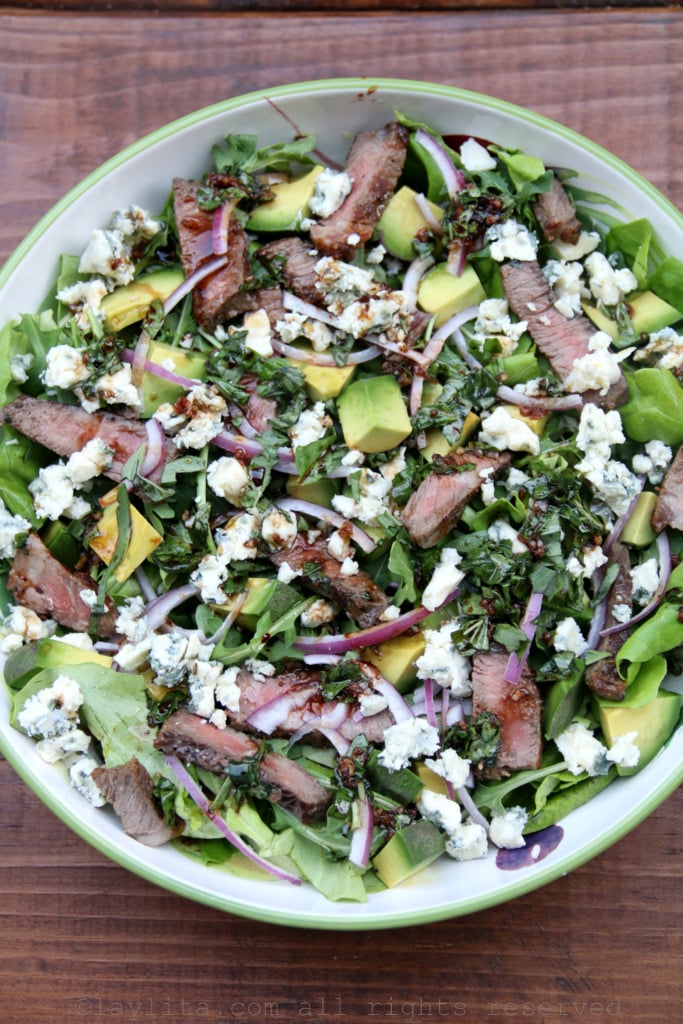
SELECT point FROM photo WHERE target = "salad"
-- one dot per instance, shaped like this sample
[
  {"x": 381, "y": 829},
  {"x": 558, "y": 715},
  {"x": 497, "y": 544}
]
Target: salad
[{"x": 340, "y": 515}]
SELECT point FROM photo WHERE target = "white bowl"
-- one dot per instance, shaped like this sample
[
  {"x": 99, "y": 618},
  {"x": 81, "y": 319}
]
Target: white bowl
[{"x": 334, "y": 110}]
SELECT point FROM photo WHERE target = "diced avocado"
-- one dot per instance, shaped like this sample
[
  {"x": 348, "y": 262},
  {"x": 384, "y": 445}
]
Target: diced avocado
[
  {"x": 61, "y": 543},
  {"x": 444, "y": 294},
  {"x": 290, "y": 205},
  {"x": 638, "y": 528},
  {"x": 408, "y": 851},
  {"x": 49, "y": 653},
  {"x": 263, "y": 594},
  {"x": 430, "y": 779},
  {"x": 396, "y": 658},
  {"x": 647, "y": 311},
  {"x": 143, "y": 540},
  {"x": 402, "y": 785},
  {"x": 373, "y": 415},
  {"x": 320, "y": 491},
  {"x": 437, "y": 444},
  {"x": 131, "y": 302},
  {"x": 323, "y": 382},
  {"x": 401, "y": 221},
  {"x": 653, "y": 724},
  {"x": 534, "y": 420},
  {"x": 156, "y": 390}
]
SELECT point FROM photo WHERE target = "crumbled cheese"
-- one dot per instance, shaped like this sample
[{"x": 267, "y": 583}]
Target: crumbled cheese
[
  {"x": 80, "y": 774},
  {"x": 376, "y": 254},
  {"x": 131, "y": 620},
  {"x": 279, "y": 529},
  {"x": 566, "y": 280},
  {"x": 645, "y": 579},
  {"x": 286, "y": 573},
  {"x": 52, "y": 491},
  {"x": 370, "y": 704},
  {"x": 582, "y": 751},
  {"x": 374, "y": 489},
  {"x": 598, "y": 369},
  {"x": 311, "y": 426},
  {"x": 445, "y": 578},
  {"x": 624, "y": 751},
  {"x": 228, "y": 478},
  {"x": 132, "y": 656},
  {"x": 13, "y": 529},
  {"x": 451, "y": 767},
  {"x": 387, "y": 313},
  {"x": 84, "y": 300},
  {"x": 319, "y": 613},
  {"x": 664, "y": 349},
  {"x": 568, "y": 637},
  {"x": 343, "y": 283},
  {"x": 502, "y": 430},
  {"x": 406, "y": 740},
  {"x": 205, "y": 408},
  {"x": 167, "y": 657},
  {"x": 20, "y": 626},
  {"x": 442, "y": 662},
  {"x": 511, "y": 241},
  {"x": 468, "y": 842},
  {"x": 349, "y": 567},
  {"x": 506, "y": 830},
  {"x": 476, "y": 157},
  {"x": 493, "y": 321},
  {"x": 209, "y": 577},
  {"x": 501, "y": 530},
  {"x": 52, "y": 711},
  {"x": 238, "y": 540},
  {"x": 295, "y": 325},
  {"x": 19, "y": 365},
  {"x": 65, "y": 367},
  {"x": 331, "y": 189},
  {"x": 599, "y": 430},
  {"x": 90, "y": 462},
  {"x": 606, "y": 283},
  {"x": 440, "y": 809},
  {"x": 106, "y": 255},
  {"x": 339, "y": 545},
  {"x": 118, "y": 388},
  {"x": 588, "y": 241},
  {"x": 259, "y": 337}
]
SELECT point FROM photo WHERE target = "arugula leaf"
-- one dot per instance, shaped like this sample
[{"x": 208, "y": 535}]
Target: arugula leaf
[{"x": 242, "y": 153}]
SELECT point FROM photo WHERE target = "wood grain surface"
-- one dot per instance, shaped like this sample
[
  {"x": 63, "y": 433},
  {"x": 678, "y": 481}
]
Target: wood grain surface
[{"x": 81, "y": 938}]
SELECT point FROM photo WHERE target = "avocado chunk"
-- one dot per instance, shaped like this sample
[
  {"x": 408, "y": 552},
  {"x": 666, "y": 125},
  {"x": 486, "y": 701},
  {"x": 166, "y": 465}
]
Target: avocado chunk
[
  {"x": 156, "y": 390},
  {"x": 373, "y": 415},
  {"x": 142, "y": 542},
  {"x": 653, "y": 724},
  {"x": 408, "y": 851},
  {"x": 396, "y": 658},
  {"x": 533, "y": 419},
  {"x": 430, "y": 780},
  {"x": 402, "y": 220},
  {"x": 444, "y": 294},
  {"x": 324, "y": 382},
  {"x": 638, "y": 528},
  {"x": 49, "y": 653},
  {"x": 319, "y": 492},
  {"x": 647, "y": 311},
  {"x": 263, "y": 594},
  {"x": 131, "y": 302},
  {"x": 289, "y": 207}
]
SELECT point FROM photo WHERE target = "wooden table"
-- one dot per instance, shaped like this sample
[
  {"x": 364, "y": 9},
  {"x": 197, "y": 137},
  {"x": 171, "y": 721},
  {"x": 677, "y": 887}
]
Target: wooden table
[{"x": 82, "y": 939}]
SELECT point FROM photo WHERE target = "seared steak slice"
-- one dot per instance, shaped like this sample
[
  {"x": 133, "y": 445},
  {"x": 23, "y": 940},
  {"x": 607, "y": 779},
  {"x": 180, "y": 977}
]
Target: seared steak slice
[
  {"x": 437, "y": 504},
  {"x": 66, "y": 429},
  {"x": 294, "y": 261},
  {"x": 218, "y": 296},
  {"x": 517, "y": 707},
  {"x": 129, "y": 789},
  {"x": 270, "y": 300},
  {"x": 359, "y": 595},
  {"x": 602, "y": 676},
  {"x": 374, "y": 164},
  {"x": 561, "y": 341},
  {"x": 556, "y": 214},
  {"x": 40, "y": 582},
  {"x": 193, "y": 739},
  {"x": 260, "y": 412},
  {"x": 669, "y": 508}
]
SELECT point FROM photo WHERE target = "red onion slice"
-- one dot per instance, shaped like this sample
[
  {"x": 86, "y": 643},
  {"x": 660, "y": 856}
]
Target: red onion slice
[
  {"x": 196, "y": 794},
  {"x": 157, "y": 370},
  {"x": 191, "y": 282},
  {"x": 664, "y": 551},
  {"x": 327, "y": 515},
  {"x": 160, "y": 608},
  {"x": 396, "y": 702},
  {"x": 239, "y": 444},
  {"x": 362, "y": 355},
  {"x": 425, "y": 209},
  {"x": 294, "y": 304},
  {"x": 413, "y": 276},
  {"x": 361, "y": 840},
  {"x": 269, "y": 716},
  {"x": 219, "y": 228},
  {"x": 549, "y": 403},
  {"x": 452, "y": 328},
  {"x": 139, "y": 359},
  {"x": 454, "y": 179},
  {"x": 156, "y": 447},
  {"x": 516, "y": 663}
]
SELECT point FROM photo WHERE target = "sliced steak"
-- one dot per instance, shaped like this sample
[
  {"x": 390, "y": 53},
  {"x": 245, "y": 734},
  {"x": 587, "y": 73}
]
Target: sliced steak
[
  {"x": 270, "y": 300},
  {"x": 437, "y": 504},
  {"x": 374, "y": 164},
  {"x": 219, "y": 295},
  {"x": 561, "y": 341},
  {"x": 40, "y": 582},
  {"x": 669, "y": 508},
  {"x": 260, "y": 412},
  {"x": 129, "y": 789},
  {"x": 556, "y": 214},
  {"x": 193, "y": 739},
  {"x": 602, "y": 676},
  {"x": 293, "y": 261},
  {"x": 517, "y": 706},
  {"x": 66, "y": 429},
  {"x": 359, "y": 595}
]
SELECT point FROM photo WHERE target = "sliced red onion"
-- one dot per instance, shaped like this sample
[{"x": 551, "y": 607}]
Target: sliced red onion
[
  {"x": 664, "y": 552},
  {"x": 248, "y": 446},
  {"x": 227, "y": 622},
  {"x": 425, "y": 209},
  {"x": 156, "y": 447},
  {"x": 191, "y": 282},
  {"x": 615, "y": 532},
  {"x": 516, "y": 663},
  {"x": 269, "y": 716},
  {"x": 321, "y": 659},
  {"x": 327, "y": 515},
  {"x": 454, "y": 179},
  {"x": 343, "y": 642},
  {"x": 362, "y": 355},
  {"x": 219, "y": 228},
  {"x": 413, "y": 276},
  {"x": 197, "y": 795},
  {"x": 397, "y": 349},
  {"x": 451, "y": 328},
  {"x": 137, "y": 369},
  {"x": 294, "y": 304},
  {"x": 361, "y": 840},
  {"x": 146, "y": 588},
  {"x": 550, "y": 403},
  {"x": 396, "y": 702},
  {"x": 456, "y": 259},
  {"x": 157, "y": 370},
  {"x": 158, "y": 610},
  {"x": 415, "y": 398},
  {"x": 429, "y": 703},
  {"x": 463, "y": 795}
]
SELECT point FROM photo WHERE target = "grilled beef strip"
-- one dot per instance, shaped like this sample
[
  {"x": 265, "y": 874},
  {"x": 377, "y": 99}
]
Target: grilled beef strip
[
  {"x": 561, "y": 341},
  {"x": 219, "y": 296},
  {"x": 374, "y": 164},
  {"x": 556, "y": 214},
  {"x": 294, "y": 260},
  {"x": 40, "y": 582},
  {"x": 193, "y": 739},
  {"x": 602, "y": 676},
  {"x": 359, "y": 595},
  {"x": 669, "y": 508},
  {"x": 65, "y": 429},
  {"x": 436, "y": 506},
  {"x": 129, "y": 789},
  {"x": 518, "y": 708}
]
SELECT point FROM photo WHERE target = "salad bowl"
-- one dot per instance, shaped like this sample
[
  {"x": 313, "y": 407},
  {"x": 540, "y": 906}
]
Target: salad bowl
[{"x": 335, "y": 111}]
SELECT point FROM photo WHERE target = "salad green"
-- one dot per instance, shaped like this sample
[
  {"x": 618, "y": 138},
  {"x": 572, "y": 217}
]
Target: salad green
[{"x": 346, "y": 589}]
